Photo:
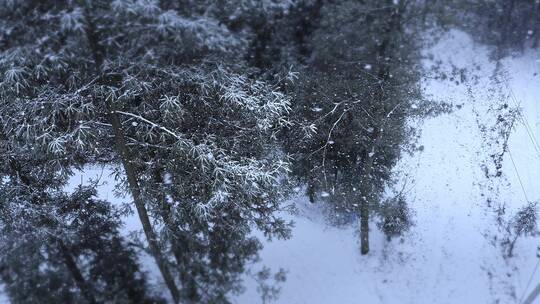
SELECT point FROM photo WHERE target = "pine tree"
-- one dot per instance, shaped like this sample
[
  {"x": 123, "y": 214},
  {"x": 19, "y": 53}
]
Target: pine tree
[
  {"x": 159, "y": 91},
  {"x": 60, "y": 247},
  {"x": 352, "y": 102},
  {"x": 508, "y": 25}
]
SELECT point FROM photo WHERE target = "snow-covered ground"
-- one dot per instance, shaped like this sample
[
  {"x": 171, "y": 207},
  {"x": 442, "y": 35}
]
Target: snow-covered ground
[{"x": 451, "y": 255}]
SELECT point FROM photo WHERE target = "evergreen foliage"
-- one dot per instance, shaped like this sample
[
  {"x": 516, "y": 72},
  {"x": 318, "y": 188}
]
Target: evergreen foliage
[
  {"x": 138, "y": 85},
  {"x": 351, "y": 104}
]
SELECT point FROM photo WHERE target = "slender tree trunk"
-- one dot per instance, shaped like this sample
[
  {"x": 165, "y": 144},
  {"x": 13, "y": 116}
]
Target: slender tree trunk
[
  {"x": 367, "y": 168},
  {"x": 383, "y": 74},
  {"x": 506, "y": 28},
  {"x": 364, "y": 227},
  {"x": 190, "y": 285},
  {"x": 311, "y": 189},
  {"x": 98, "y": 53},
  {"x": 131, "y": 174},
  {"x": 537, "y": 29},
  {"x": 76, "y": 274},
  {"x": 306, "y": 26}
]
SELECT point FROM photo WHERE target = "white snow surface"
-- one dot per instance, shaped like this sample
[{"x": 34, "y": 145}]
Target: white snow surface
[{"x": 453, "y": 253}]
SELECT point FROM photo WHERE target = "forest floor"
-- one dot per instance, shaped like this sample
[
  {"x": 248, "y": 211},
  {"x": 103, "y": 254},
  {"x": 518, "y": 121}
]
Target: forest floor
[{"x": 453, "y": 254}]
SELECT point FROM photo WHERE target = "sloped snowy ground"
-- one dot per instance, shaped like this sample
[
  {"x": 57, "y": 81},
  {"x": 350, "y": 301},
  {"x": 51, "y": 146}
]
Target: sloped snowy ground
[
  {"x": 450, "y": 256},
  {"x": 453, "y": 254}
]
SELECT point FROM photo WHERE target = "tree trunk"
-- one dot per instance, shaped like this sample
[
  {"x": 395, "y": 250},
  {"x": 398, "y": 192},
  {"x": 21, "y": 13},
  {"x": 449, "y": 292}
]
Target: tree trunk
[
  {"x": 306, "y": 26},
  {"x": 311, "y": 189},
  {"x": 76, "y": 274},
  {"x": 131, "y": 174},
  {"x": 537, "y": 29},
  {"x": 371, "y": 151},
  {"x": 506, "y": 28},
  {"x": 189, "y": 283},
  {"x": 98, "y": 53},
  {"x": 367, "y": 168},
  {"x": 364, "y": 227}
]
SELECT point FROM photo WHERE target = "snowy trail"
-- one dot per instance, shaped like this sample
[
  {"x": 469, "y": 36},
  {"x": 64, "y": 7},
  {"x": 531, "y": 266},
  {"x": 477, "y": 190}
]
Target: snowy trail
[{"x": 449, "y": 256}]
